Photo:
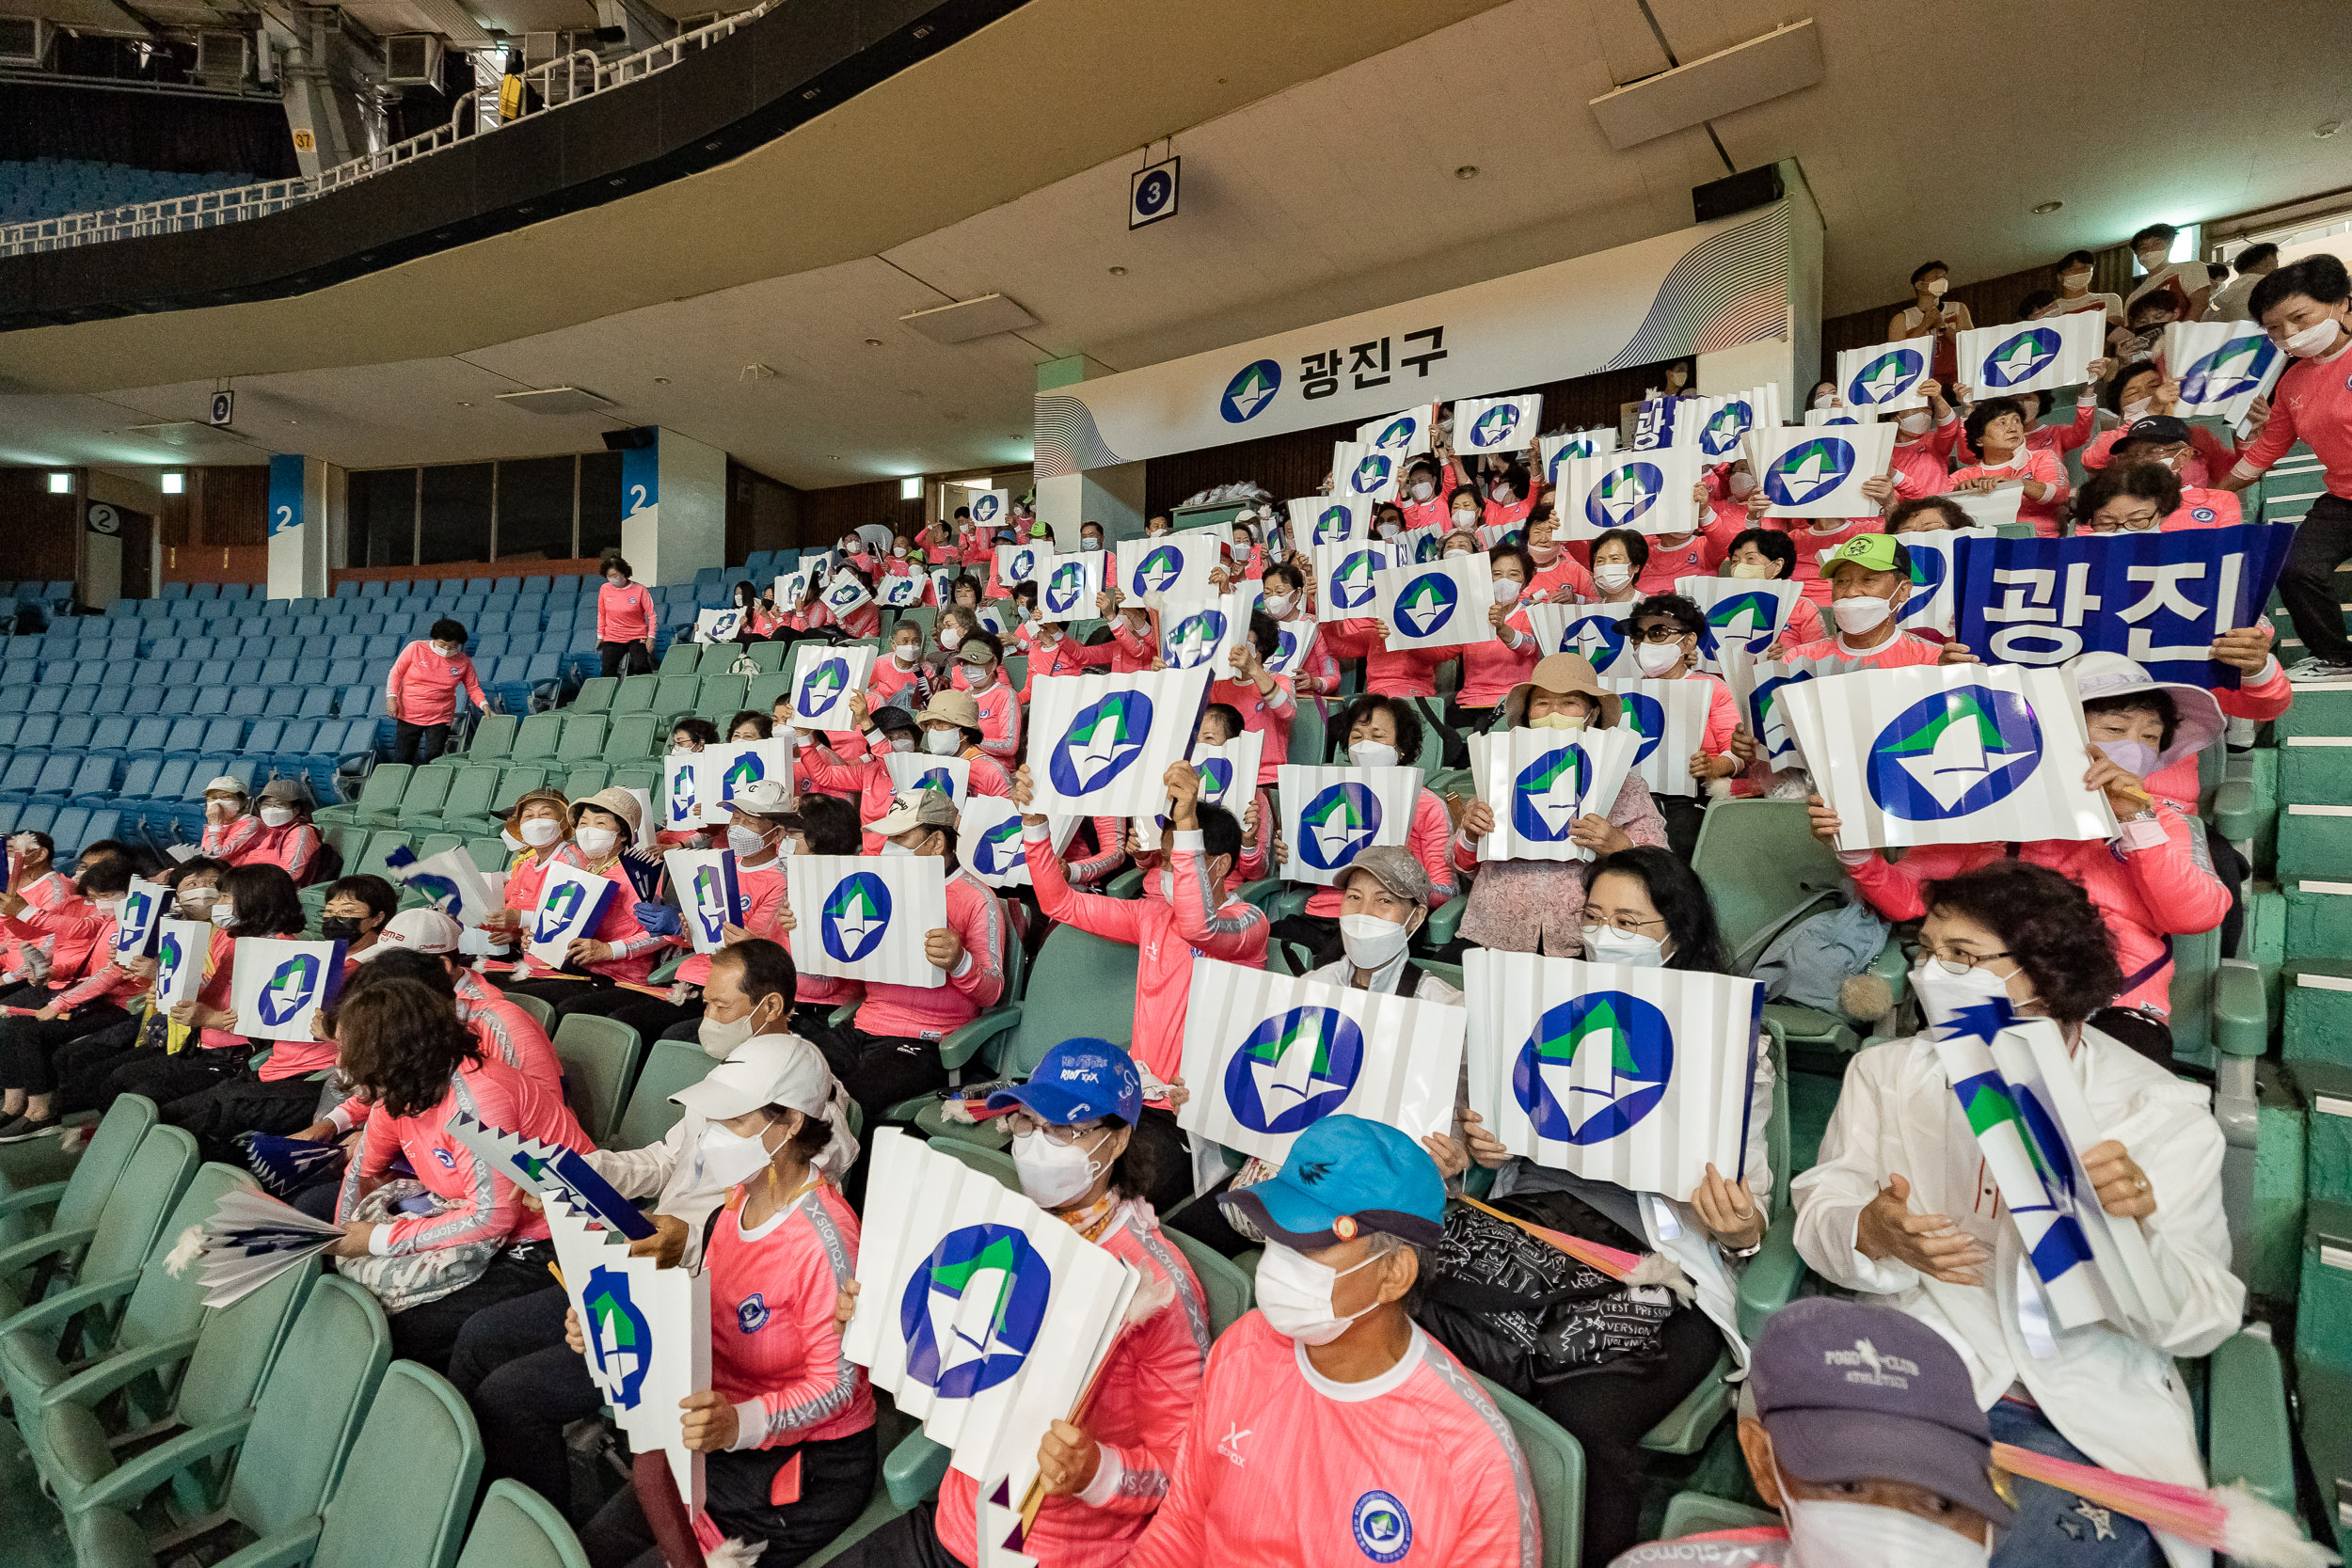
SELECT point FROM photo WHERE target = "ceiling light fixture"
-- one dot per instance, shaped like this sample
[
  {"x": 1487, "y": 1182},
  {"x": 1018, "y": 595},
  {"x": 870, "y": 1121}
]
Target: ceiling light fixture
[
  {"x": 1467, "y": 171},
  {"x": 911, "y": 488},
  {"x": 175, "y": 484},
  {"x": 62, "y": 485},
  {"x": 1118, "y": 272},
  {"x": 873, "y": 343},
  {"x": 2046, "y": 208},
  {"x": 2327, "y": 128}
]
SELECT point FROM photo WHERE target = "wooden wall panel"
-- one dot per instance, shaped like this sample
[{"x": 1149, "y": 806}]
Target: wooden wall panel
[
  {"x": 222, "y": 505},
  {"x": 826, "y": 514},
  {"x": 43, "y": 531}
]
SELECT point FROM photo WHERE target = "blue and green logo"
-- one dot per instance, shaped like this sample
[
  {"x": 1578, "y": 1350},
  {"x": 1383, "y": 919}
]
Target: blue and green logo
[
  {"x": 1546, "y": 795},
  {"x": 1953, "y": 754},
  {"x": 856, "y": 916},
  {"x": 1294, "y": 1069},
  {"x": 973, "y": 1308},
  {"x": 1337, "y": 824},
  {"x": 1103, "y": 741},
  {"x": 1249, "y": 392},
  {"x": 1809, "y": 471},
  {"x": 620, "y": 1342},
  {"x": 1595, "y": 1066}
]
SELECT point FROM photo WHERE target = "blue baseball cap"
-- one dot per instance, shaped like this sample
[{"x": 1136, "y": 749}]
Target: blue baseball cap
[
  {"x": 1079, "y": 1080},
  {"x": 1345, "y": 1176}
]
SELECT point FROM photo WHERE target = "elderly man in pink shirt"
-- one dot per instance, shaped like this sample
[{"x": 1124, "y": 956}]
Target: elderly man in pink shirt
[{"x": 421, "y": 693}]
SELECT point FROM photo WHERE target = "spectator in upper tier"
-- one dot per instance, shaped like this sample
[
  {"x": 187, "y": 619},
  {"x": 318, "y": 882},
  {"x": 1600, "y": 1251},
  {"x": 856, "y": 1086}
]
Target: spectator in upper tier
[
  {"x": 2230, "y": 302},
  {"x": 278, "y": 835},
  {"x": 2184, "y": 285},
  {"x": 421, "y": 693},
  {"x": 2073, "y": 293},
  {"x": 626, "y": 621},
  {"x": 1928, "y": 314}
]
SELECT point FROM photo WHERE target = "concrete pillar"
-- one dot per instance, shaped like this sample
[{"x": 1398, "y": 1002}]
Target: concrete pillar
[
  {"x": 1112, "y": 497},
  {"x": 674, "y": 508},
  {"x": 1795, "y": 358},
  {"x": 307, "y": 504}
]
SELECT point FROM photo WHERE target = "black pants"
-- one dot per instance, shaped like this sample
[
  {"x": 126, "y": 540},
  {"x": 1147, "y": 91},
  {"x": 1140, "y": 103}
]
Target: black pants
[
  {"x": 837, "y": 1478},
  {"x": 169, "y": 1079},
  {"x": 602, "y": 1000},
  {"x": 245, "y": 1102},
  {"x": 418, "y": 742},
  {"x": 639, "y": 661},
  {"x": 2307, "y": 585},
  {"x": 525, "y": 1385},
  {"x": 429, "y": 1332},
  {"x": 1469, "y": 720},
  {"x": 84, "y": 1067},
  {"x": 1608, "y": 1413},
  {"x": 879, "y": 1072},
  {"x": 909, "y": 1540},
  {"x": 556, "y": 992},
  {"x": 1318, "y": 934},
  {"x": 1684, "y": 814},
  {"x": 29, "y": 1047}
]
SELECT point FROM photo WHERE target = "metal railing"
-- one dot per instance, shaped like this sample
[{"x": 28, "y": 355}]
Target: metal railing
[{"x": 547, "y": 87}]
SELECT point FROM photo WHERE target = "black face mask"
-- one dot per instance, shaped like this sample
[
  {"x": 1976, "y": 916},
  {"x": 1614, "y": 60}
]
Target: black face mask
[{"x": 340, "y": 928}]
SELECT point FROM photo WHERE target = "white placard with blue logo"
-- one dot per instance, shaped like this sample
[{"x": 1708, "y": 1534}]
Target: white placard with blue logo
[
  {"x": 2221, "y": 367},
  {"x": 1100, "y": 744},
  {"x": 1539, "y": 783},
  {"x": 277, "y": 986},
  {"x": 1268, "y": 1055},
  {"x": 1589, "y": 629},
  {"x": 824, "y": 675},
  {"x": 1347, "y": 578},
  {"x": 1293, "y": 639},
  {"x": 1067, "y": 586},
  {"x": 722, "y": 770},
  {"x": 1818, "y": 416},
  {"x": 901, "y": 589},
  {"x": 2158, "y": 599},
  {"x": 1884, "y": 377},
  {"x": 989, "y": 840},
  {"x": 2025, "y": 1104},
  {"x": 1662, "y": 423},
  {"x": 1671, "y": 719},
  {"x": 1329, "y": 520},
  {"x": 1745, "y": 611},
  {"x": 1720, "y": 425},
  {"x": 1332, "y": 814},
  {"x": 1426, "y": 542},
  {"x": 1199, "y": 636},
  {"x": 1364, "y": 472},
  {"x": 863, "y": 917},
  {"x": 788, "y": 590},
  {"x": 139, "y": 918},
  {"x": 950, "y": 776},
  {"x": 990, "y": 508},
  {"x": 1638, "y": 1077},
  {"x": 647, "y": 1331},
  {"x": 181, "y": 948},
  {"x": 1818, "y": 472},
  {"x": 717, "y": 625},
  {"x": 997, "y": 617},
  {"x": 980, "y": 1314},
  {"x": 1553, "y": 451},
  {"x": 1440, "y": 603},
  {"x": 1401, "y": 434},
  {"x": 1954, "y": 754},
  {"x": 1990, "y": 510},
  {"x": 2030, "y": 356},
  {"x": 1757, "y": 685},
  {"x": 1649, "y": 492},
  {"x": 1172, "y": 568},
  {"x": 448, "y": 882},
  {"x": 679, "y": 775},
  {"x": 1497, "y": 425},
  {"x": 1229, "y": 773},
  {"x": 572, "y": 903},
  {"x": 1929, "y": 607},
  {"x": 1019, "y": 564},
  {"x": 845, "y": 595},
  {"x": 709, "y": 898}
]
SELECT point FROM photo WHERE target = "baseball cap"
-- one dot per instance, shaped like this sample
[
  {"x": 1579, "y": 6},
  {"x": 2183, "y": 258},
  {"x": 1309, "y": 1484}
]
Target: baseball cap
[
  {"x": 959, "y": 708},
  {"x": 417, "y": 930},
  {"x": 1872, "y": 552},
  {"x": 770, "y": 1069},
  {"x": 1344, "y": 1177},
  {"x": 225, "y": 785},
  {"x": 2158, "y": 429},
  {"x": 916, "y": 808},
  {"x": 765, "y": 798},
  {"x": 1852, "y": 1393},
  {"x": 1395, "y": 869},
  {"x": 1079, "y": 1080}
]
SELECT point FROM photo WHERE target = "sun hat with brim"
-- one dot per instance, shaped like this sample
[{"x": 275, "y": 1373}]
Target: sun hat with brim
[
  {"x": 291, "y": 791},
  {"x": 959, "y": 708},
  {"x": 620, "y": 803},
  {"x": 1079, "y": 1080},
  {"x": 225, "y": 784},
  {"x": 910, "y": 809},
  {"x": 1345, "y": 1177},
  {"x": 2101, "y": 675},
  {"x": 1560, "y": 674},
  {"x": 894, "y": 720}
]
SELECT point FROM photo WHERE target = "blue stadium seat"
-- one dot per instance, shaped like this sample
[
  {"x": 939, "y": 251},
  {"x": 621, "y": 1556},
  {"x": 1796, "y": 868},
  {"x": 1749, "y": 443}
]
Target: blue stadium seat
[
  {"x": 177, "y": 700},
  {"x": 277, "y": 609},
  {"x": 94, "y": 779},
  {"x": 372, "y": 589},
  {"x": 149, "y": 734},
  {"x": 211, "y": 702},
  {"x": 318, "y": 702},
  {"x": 16, "y": 696},
  {"x": 383, "y": 645},
  {"x": 74, "y": 728},
  {"x": 224, "y": 735},
  {"x": 368, "y": 625},
  {"x": 235, "y": 592},
  {"x": 175, "y": 591},
  {"x": 264, "y": 737},
  {"x": 56, "y": 774},
  {"x": 566, "y": 586},
  {"x": 478, "y": 586},
  {"x": 70, "y": 830},
  {"x": 37, "y": 818},
  {"x": 204, "y": 591},
  {"x": 486, "y": 650},
  {"x": 10, "y": 724},
  {"x": 185, "y": 738},
  {"x": 104, "y": 822},
  {"x": 114, "y": 696},
  {"x": 37, "y": 732},
  {"x": 138, "y": 783},
  {"x": 308, "y": 625},
  {"x": 360, "y": 699},
  {"x": 398, "y": 588},
  {"x": 277, "y": 672},
  {"x": 488, "y": 621},
  {"x": 114, "y": 732},
  {"x": 46, "y": 699},
  {"x": 144, "y": 699},
  {"x": 214, "y": 672},
  {"x": 247, "y": 702},
  {"x": 349, "y": 645},
  {"x": 532, "y": 587},
  {"x": 285, "y": 700},
  {"x": 376, "y": 672},
  {"x": 22, "y": 773},
  {"x": 346, "y": 672}
]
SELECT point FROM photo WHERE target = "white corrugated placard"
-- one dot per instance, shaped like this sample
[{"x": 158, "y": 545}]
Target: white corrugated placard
[
  {"x": 1437, "y": 604},
  {"x": 1229, "y": 773},
  {"x": 1884, "y": 377},
  {"x": 277, "y": 986},
  {"x": 181, "y": 948},
  {"x": 1497, "y": 425},
  {"x": 722, "y": 770},
  {"x": 1747, "y": 612},
  {"x": 1648, "y": 492},
  {"x": 922, "y": 770},
  {"x": 572, "y": 903},
  {"x": 1331, "y": 814},
  {"x": 1067, "y": 586},
  {"x": 1589, "y": 629},
  {"x": 1329, "y": 520},
  {"x": 1929, "y": 607},
  {"x": 2030, "y": 356},
  {"x": 1808, "y": 472},
  {"x": 1100, "y": 744},
  {"x": 824, "y": 676},
  {"x": 1670, "y": 717},
  {"x": 709, "y": 899},
  {"x": 1538, "y": 782},
  {"x": 1364, "y": 472},
  {"x": 1170, "y": 569},
  {"x": 864, "y": 917}
]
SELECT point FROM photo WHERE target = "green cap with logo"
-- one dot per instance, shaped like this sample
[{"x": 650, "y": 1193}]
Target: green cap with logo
[{"x": 1872, "y": 552}]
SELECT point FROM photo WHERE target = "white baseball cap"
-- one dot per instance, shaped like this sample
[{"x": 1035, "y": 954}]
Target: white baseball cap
[{"x": 417, "y": 930}]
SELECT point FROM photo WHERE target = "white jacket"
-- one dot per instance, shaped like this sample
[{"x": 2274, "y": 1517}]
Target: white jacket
[
  {"x": 2112, "y": 1392},
  {"x": 670, "y": 1172}
]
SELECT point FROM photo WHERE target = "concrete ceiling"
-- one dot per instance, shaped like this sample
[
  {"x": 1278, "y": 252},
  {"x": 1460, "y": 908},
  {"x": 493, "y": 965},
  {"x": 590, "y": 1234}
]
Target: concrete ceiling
[{"x": 1308, "y": 193}]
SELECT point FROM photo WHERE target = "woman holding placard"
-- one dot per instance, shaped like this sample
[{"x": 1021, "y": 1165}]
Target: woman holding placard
[
  {"x": 1647, "y": 910},
  {"x": 604, "y": 826},
  {"x": 1492, "y": 669},
  {"x": 80, "y": 999}
]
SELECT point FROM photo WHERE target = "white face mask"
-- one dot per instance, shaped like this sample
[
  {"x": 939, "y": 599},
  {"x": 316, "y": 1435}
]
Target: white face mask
[
  {"x": 1465, "y": 519},
  {"x": 906, "y": 653},
  {"x": 223, "y": 914},
  {"x": 2074, "y": 282},
  {"x": 1371, "y": 754},
  {"x": 1557, "y": 721},
  {"x": 1279, "y": 605},
  {"x": 730, "y": 1158},
  {"x": 1372, "y": 942},
  {"x": 596, "y": 843},
  {"x": 1825, "y": 399},
  {"x": 1862, "y": 1535},
  {"x": 1422, "y": 489},
  {"x": 513, "y": 845},
  {"x": 1545, "y": 554},
  {"x": 1916, "y": 422},
  {"x": 1942, "y": 994},
  {"x": 949, "y": 637},
  {"x": 898, "y": 550},
  {"x": 943, "y": 743},
  {"x": 276, "y": 816},
  {"x": 1503, "y": 495},
  {"x": 745, "y": 842},
  {"x": 2312, "y": 340},
  {"x": 2134, "y": 409},
  {"x": 1606, "y": 944},
  {"x": 1656, "y": 658},
  {"x": 1055, "y": 1174},
  {"x": 1506, "y": 591},
  {"x": 540, "y": 831},
  {"x": 1858, "y": 615},
  {"x": 1754, "y": 569},
  {"x": 903, "y": 743},
  {"x": 1740, "y": 485},
  {"x": 1089, "y": 544},
  {"x": 1294, "y": 1295},
  {"x": 892, "y": 850},
  {"x": 1937, "y": 285},
  {"x": 1390, "y": 531},
  {"x": 2135, "y": 757},
  {"x": 1612, "y": 577}
]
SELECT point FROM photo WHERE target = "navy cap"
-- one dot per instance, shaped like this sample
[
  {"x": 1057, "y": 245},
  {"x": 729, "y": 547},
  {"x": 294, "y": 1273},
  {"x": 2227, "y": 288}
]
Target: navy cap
[
  {"x": 1853, "y": 1393},
  {"x": 2161, "y": 430},
  {"x": 1079, "y": 1080},
  {"x": 1345, "y": 1176}
]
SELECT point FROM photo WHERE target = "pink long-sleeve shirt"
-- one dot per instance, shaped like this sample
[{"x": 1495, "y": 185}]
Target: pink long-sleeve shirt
[
  {"x": 917, "y": 1012},
  {"x": 422, "y": 686},
  {"x": 774, "y": 1351},
  {"x": 625, "y": 613},
  {"x": 2034, "y": 463}
]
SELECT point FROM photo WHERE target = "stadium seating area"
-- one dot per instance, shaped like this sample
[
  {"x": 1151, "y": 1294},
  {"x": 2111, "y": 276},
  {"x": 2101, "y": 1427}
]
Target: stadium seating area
[{"x": 52, "y": 187}]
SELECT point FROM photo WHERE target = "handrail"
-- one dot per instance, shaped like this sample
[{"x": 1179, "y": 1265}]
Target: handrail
[{"x": 236, "y": 203}]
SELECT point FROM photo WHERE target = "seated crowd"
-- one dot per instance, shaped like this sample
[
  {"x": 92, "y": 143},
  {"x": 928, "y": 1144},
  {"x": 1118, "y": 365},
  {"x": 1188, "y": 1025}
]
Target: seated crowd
[{"x": 1338, "y": 1421}]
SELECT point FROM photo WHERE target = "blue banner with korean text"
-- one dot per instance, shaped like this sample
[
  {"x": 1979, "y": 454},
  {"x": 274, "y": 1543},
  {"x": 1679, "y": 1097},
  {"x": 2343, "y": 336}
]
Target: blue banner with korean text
[{"x": 2159, "y": 599}]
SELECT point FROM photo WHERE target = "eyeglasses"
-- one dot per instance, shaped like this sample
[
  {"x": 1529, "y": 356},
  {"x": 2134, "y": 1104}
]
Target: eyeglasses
[
  {"x": 1623, "y": 923},
  {"x": 1025, "y": 1122},
  {"x": 1953, "y": 961},
  {"x": 1659, "y": 632}
]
